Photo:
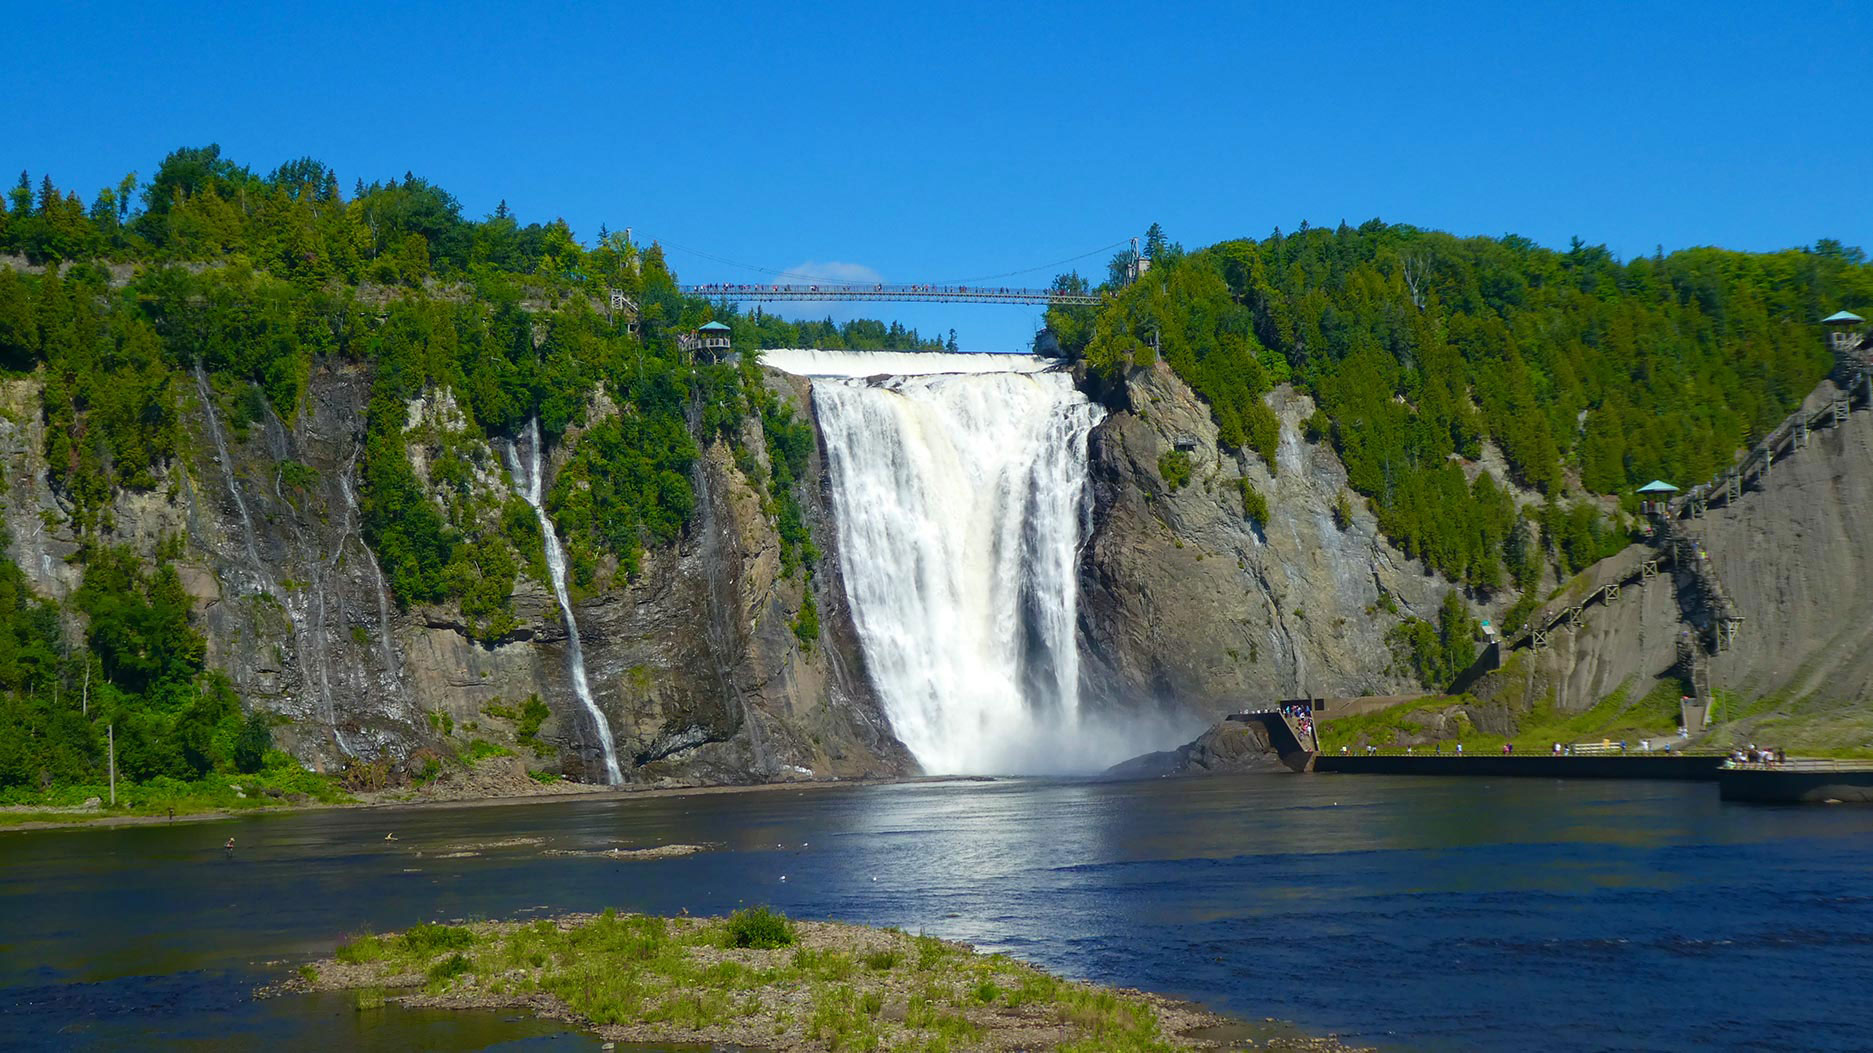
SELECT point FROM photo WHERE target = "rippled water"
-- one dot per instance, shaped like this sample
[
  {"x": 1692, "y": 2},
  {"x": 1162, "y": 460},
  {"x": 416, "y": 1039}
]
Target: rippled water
[{"x": 1411, "y": 913}]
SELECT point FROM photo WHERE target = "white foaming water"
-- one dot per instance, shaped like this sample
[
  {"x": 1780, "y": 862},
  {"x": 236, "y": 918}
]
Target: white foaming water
[
  {"x": 528, "y": 483},
  {"x": 811, "y": 362},
  {"x": 961, "y": 500}
]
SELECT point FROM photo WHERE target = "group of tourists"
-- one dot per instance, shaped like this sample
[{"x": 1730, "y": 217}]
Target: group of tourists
[
  {"x": 1753, "y": 754},
  {"x": 1303, "y": 717}
]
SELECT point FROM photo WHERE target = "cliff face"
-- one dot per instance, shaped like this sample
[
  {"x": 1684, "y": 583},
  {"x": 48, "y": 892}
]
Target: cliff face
[
  {"x": 694, "y": 661},
  {"x": 1791, "y": 554},
  {"x": 1187, "y": 604}
]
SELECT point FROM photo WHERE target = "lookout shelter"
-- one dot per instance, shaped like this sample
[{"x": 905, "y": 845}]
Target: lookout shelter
[
  {"x": 1843, "y": 331},
  {"x": 1657, "y": 494},
  {"x": 709, "y": 339}
]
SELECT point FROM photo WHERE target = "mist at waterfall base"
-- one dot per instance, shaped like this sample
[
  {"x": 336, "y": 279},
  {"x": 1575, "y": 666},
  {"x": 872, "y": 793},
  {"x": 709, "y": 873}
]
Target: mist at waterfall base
[{"x": 961, "y": 498}]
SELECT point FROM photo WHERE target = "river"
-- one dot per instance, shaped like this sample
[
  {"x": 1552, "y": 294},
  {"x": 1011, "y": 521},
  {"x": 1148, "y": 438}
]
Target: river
[{"x": 1406, "y": 913}]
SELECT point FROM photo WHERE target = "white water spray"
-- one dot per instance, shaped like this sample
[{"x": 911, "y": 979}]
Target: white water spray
[
  {"x": 961, "y": 502},
  {"x": 528, "y": 484}
]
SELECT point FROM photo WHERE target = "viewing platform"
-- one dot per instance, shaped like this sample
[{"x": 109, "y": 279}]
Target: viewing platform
[{"x": 1798, "y": 781}]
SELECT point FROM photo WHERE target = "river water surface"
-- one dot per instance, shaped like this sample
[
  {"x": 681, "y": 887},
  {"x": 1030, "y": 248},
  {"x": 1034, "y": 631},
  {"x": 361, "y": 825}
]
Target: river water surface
[{"x": 1405, "y": 913}]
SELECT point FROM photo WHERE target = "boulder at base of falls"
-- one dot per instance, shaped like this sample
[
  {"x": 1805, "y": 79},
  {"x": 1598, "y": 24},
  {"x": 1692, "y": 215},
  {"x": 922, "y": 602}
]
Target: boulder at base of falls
[{"x": 1231, "y": 747}]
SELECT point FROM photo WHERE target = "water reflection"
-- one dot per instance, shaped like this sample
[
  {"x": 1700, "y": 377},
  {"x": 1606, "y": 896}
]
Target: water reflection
[{"x": 1446, "y": 913}]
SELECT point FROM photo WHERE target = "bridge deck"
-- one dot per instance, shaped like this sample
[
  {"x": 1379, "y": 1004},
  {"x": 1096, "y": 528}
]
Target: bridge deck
[{"x": 892, "y": 294}]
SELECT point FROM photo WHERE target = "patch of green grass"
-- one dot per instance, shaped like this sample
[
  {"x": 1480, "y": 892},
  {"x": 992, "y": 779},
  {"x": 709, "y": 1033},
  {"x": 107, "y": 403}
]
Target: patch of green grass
[
  {"x": 431, "y": 939},
  {"x": 758, "y": 927},
  {"x": 280, "y": 783},
  {"x": 691, "y": 1008},
  {"x": 823, "y": 965},
  {"x": 449, "y": 968},
  {"x": 839, "y": 1018},
  {"x": 481, "y": 749},
  {"x": 930, "y": 952},
  {"x": 692, "y": 976},
  {"x": 1614, "y": 718},
  {"x": 947, "y": 1030},
  {"x": 366, "y": 948}
]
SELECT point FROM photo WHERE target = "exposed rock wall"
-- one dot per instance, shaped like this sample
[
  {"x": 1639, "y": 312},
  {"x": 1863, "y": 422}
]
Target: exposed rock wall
[
  {"x": 1792, "y": 555},
  {"x": 1796, "y": 559},
  {"x": 694, "y": 662},
  {"x": 1186, "y": 604},
  {"x": 1231, "y": 747}
]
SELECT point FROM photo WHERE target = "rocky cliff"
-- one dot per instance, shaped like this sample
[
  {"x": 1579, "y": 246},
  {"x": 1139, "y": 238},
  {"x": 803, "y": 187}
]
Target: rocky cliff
[
  {"x": 694, "y": 661},
  {"x": 1188, "y": 604},
  {"x": 1791, "y": 554}
]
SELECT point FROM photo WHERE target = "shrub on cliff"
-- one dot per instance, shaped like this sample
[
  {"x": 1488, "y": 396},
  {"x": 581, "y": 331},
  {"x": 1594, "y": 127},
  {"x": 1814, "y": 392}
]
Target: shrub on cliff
[
  {"x": 1254, "y": 505},
  {"x": 1174, "y": 469}
]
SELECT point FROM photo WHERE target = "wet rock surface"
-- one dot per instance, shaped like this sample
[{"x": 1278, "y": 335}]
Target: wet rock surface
[
  {"x": 1229, "y": 747},
  {"x": 1188, "y": 604}
]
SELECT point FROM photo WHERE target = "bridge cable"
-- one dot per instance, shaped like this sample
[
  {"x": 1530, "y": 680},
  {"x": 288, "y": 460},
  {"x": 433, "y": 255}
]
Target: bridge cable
[{"x": 850, "y": 281}]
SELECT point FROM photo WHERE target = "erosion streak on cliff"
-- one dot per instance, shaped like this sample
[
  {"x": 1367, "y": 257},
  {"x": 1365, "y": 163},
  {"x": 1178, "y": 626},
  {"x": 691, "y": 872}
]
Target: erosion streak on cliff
[
  {"x": 961, "y": 505},
  {"x": 385, "y": 631},
  {"x": 226, "y": 464},
  {"x": 527, "y": 483}
]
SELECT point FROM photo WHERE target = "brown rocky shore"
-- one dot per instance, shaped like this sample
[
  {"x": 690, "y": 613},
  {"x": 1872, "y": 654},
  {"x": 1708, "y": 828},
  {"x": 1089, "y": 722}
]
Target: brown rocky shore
[{"x": 761, "y": 981}]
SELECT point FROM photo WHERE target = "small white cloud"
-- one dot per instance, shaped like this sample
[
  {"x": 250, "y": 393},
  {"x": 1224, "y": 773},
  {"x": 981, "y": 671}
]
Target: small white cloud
[{"x": 832, "y": 270}]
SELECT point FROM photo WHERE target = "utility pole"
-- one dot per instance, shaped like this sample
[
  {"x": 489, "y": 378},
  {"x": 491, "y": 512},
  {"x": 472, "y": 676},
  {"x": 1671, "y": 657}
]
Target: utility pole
[{"x": 110, "y": 732}]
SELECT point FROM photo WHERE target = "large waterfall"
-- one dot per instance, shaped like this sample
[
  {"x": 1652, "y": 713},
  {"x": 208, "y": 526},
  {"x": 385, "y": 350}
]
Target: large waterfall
[
  {"x": 959, "y": 487},
  {"x": 527, "y": 482}
]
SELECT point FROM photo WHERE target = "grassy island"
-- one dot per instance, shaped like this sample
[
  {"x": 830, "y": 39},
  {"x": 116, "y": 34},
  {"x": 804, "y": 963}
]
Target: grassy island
[{"x": 755, "y": 979}]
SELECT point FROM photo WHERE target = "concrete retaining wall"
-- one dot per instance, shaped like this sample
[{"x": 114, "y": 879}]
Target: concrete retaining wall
[{"x": 1677, "y": 767}]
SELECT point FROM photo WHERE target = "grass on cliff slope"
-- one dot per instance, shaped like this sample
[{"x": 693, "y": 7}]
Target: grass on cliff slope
[
  {"x": 749, "y": 977},
  {"x": 1617, "y": 716},
  {"x": 1808, "y": 727}
]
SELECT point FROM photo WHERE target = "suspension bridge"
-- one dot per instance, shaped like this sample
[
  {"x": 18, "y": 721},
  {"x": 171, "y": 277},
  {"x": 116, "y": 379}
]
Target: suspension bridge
[{"x": 763, "y": 293}]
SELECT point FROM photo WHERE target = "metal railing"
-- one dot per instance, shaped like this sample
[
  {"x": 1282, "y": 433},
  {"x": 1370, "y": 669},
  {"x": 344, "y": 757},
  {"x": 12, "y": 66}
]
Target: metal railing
[{"x": 893, "y": 293}]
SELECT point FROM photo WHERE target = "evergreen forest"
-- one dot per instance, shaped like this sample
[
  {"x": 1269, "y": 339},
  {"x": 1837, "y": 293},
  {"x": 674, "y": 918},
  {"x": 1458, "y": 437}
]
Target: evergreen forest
[{"x": 1590, "y": 376}]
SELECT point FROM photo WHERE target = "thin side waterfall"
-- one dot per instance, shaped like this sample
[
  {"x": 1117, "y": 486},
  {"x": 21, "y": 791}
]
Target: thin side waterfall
[
  {"x": 227, "y": 474},
  {"x": 384, "y": 633},
  {"x": 527, "y": 483},
  {"x": 962, "y": 501}
]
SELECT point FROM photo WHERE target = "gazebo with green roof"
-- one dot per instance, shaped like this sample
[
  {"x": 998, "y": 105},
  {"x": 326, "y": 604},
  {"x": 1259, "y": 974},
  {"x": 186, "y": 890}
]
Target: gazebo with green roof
[
  {"x": 1843, "y": 331},
  {"x": 1657, "y": 498},
  {"x": 711, "y": 339}
]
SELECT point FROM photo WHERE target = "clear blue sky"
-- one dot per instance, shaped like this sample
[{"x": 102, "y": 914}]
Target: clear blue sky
[{"x": 931, "y": 141}]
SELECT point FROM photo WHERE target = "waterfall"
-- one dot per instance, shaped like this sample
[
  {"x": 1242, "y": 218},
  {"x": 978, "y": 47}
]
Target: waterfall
[
  {"x": 527, "y": 483},
  {"x": 385, "y": 631},
  {"x": 961, "y": 501},
  {"x": 227, "y": 476}
]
